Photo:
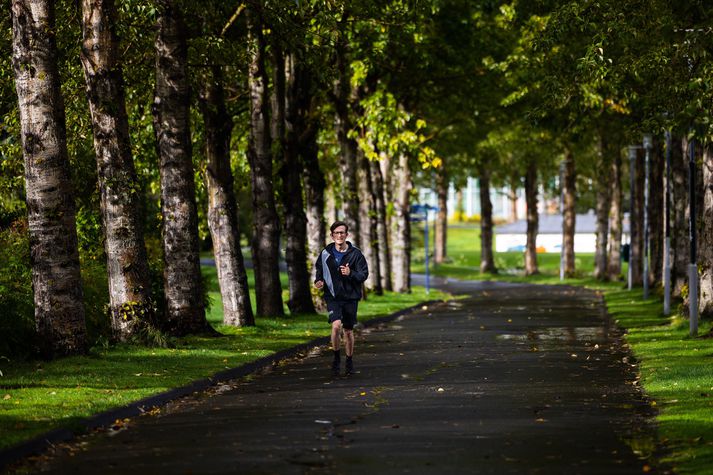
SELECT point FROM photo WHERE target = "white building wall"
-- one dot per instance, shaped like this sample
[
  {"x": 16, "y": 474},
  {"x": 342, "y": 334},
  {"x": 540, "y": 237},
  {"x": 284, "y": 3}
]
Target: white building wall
[
  {"x": 550, "y": 242},
  {"x": 471, "y": 200}
]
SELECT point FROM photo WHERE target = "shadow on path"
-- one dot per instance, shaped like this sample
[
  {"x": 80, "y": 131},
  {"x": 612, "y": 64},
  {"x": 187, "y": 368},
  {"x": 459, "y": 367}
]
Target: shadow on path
[{"x": 511, "y": 379}]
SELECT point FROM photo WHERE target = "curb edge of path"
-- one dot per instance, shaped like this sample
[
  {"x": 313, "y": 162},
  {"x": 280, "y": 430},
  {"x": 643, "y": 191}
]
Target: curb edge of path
[{"x": 44, "y": 441}]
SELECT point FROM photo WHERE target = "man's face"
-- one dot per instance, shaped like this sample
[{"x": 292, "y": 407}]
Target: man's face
[{"x": 340, "y": 235}]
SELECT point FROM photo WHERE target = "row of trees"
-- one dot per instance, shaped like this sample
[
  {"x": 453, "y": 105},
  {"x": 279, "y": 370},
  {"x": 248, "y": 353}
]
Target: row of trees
[
  {"x": 145, "y": 130},
  {"x": 578, "y": 83},
  {"x": 324, "y": 128}
]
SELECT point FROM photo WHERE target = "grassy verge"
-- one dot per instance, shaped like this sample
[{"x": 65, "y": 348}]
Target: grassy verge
[
  {"x": 37, "y": 396},
  {"x": 675, "y": 369}
]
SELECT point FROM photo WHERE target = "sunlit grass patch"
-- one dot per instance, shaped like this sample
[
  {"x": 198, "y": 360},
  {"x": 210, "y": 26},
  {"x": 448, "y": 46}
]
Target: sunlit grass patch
[{"x": 676, "y": 374}]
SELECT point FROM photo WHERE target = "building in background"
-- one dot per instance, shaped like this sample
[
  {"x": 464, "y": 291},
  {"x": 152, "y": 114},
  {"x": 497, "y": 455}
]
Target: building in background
[
  {"x": 503, "y": 209},
  {"x": 513, "y": 236}
]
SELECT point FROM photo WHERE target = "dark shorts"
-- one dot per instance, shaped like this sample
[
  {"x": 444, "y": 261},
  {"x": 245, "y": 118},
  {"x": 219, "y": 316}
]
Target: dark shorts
[{"x": 345, "y": 310}]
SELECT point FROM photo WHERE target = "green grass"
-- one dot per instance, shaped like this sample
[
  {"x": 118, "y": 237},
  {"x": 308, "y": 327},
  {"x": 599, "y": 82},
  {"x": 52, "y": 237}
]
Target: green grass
[
  {"x": 463, "y": 260},
  {"x": 37, "y": 396},
  {"x": 676, "y": 370}
]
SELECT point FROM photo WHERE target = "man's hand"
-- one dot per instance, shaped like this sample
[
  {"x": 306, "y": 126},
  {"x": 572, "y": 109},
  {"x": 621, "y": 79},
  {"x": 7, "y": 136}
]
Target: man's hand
[
  {"x": 319, "y": 284},
  {"x": 345, "y": 269}
]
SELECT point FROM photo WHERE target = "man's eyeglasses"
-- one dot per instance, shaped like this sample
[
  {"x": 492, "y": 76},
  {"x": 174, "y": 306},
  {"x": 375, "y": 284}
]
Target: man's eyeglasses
[{"x": 340, "y": 233}]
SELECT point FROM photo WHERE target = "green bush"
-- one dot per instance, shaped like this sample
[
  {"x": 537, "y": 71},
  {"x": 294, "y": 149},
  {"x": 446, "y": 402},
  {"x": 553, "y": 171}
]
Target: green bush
[{"x": 17, "y": 324}]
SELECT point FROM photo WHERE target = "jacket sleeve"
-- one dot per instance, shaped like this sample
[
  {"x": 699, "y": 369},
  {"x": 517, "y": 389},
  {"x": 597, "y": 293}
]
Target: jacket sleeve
[
  {"x": 360, "y": 271},
  {"x": 319, "y": 272}
]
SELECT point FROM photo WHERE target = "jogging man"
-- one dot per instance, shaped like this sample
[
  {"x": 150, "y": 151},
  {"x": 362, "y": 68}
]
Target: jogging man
[{"x": 342, "y": 268}]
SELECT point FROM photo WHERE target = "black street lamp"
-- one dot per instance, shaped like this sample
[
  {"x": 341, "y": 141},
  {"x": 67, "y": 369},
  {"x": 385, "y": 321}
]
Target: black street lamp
[
  {"x": 632, "y": 177},
  {"x": 648, "y": 144},
  {"x": 667, "y": 231}
]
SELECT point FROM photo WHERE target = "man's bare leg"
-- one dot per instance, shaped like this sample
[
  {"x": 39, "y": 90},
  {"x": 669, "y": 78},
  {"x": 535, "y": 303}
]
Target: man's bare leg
[
  {"x": 348, "y": 342},
  {"x": 349, "y": 350}
]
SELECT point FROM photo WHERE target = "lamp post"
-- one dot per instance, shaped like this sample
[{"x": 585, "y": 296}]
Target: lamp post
[
  {"x": 648, "y": 144},
  {"x": 632, "y": 206},
  {"x": 692, "y": 266},
  {"x": 562, "y": 213},
  {"x": 667, "y": 231}
]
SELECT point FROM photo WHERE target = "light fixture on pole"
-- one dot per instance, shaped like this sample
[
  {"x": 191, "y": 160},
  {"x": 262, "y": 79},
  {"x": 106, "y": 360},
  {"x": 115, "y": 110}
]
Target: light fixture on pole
[
  {"x": 648, "y": 145},
  {"x": 692, "y": 266},
  {"x": 632, "y": 206},
  {"x": 667, "y": 231},
  {"x": 561, "y": 178}
]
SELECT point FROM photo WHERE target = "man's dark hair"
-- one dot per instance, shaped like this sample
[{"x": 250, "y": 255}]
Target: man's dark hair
[{"x": 337, "y": 224}]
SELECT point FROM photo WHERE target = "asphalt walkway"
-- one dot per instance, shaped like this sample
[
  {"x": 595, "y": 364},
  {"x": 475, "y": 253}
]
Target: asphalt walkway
[{"x": 510, "y": 379}]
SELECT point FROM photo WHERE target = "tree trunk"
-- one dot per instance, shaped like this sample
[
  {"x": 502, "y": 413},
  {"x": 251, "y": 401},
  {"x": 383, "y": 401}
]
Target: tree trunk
[
  {"x": 314, "y": 185},
  {"x": 368, "y": 225},
  {"x": 615, "y": 218},
  {"x": 331, "y": 203},
  {"x": 680, "y": 242},
  {"x": 382, "y": 228},
  {"x": 300, "y": 300},
  {"x": 441, "y": 238},
  {"x": 705, "y": 301},
  {"x": 266, "y": 224},
  {"x": 532, "y": 218},
  {"x": 56, "y": 280},
  {"x": 568, "y": 212},
  {"x": 603, "y": 183},
  {"x": 656, "y": 224},
  {"x": 347, "y": 145},
  {"x": 183, "y": 284},
  {"x": 487, "y": 261},
  {"x": 512, "y": 198},
  {"x": 460, "y": 209},
  {"x": 635, "y": 221},
  {"x": 127, "y": 263},
  {"x": 222, "y": 206},
  {"x": 401, "y": 234}
]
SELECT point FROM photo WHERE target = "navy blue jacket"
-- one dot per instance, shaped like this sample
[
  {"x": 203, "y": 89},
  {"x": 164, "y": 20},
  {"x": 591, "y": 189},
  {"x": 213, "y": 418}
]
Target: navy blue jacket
[{"x": 336, "y": 285}]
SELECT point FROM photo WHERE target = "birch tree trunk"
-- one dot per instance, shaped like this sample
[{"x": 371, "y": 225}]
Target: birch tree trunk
[
  {"x": 705, "y": 300},
  {"x": 532, "y": 218},
  {"x": 656, "y": 223},
  {"x": 56, "y": 280},
  {"x": 314, "y": 186},
  {"x": 568, "y": 213},
  {"x": 604, "y": 186},
  {"x": 512, "y": 198},
  {"x": 679, "y": 219},
  {"x": 382, "y": 228},
  {"x": 300, "y": 300},
  {"x": 401, "y": 234},
  {"x": 615, "y": 219},
  {"x": 266, "y": 224},
  {"x": 183, "y": 283},
  {"x": 441, "y": 238},
  {"x": 127, "y": 264},
  {"x": 222, "y": 206},
  {"x": 487, "y": 262},
  {"x": 635, "y": 223},
  {"x": 368, "y": 225},
  {"x": 347, "y": 145},
  {"x": 460, "y": 209}
]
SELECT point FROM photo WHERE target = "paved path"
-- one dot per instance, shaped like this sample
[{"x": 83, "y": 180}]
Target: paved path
[{"x": 511, "y": 379}]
